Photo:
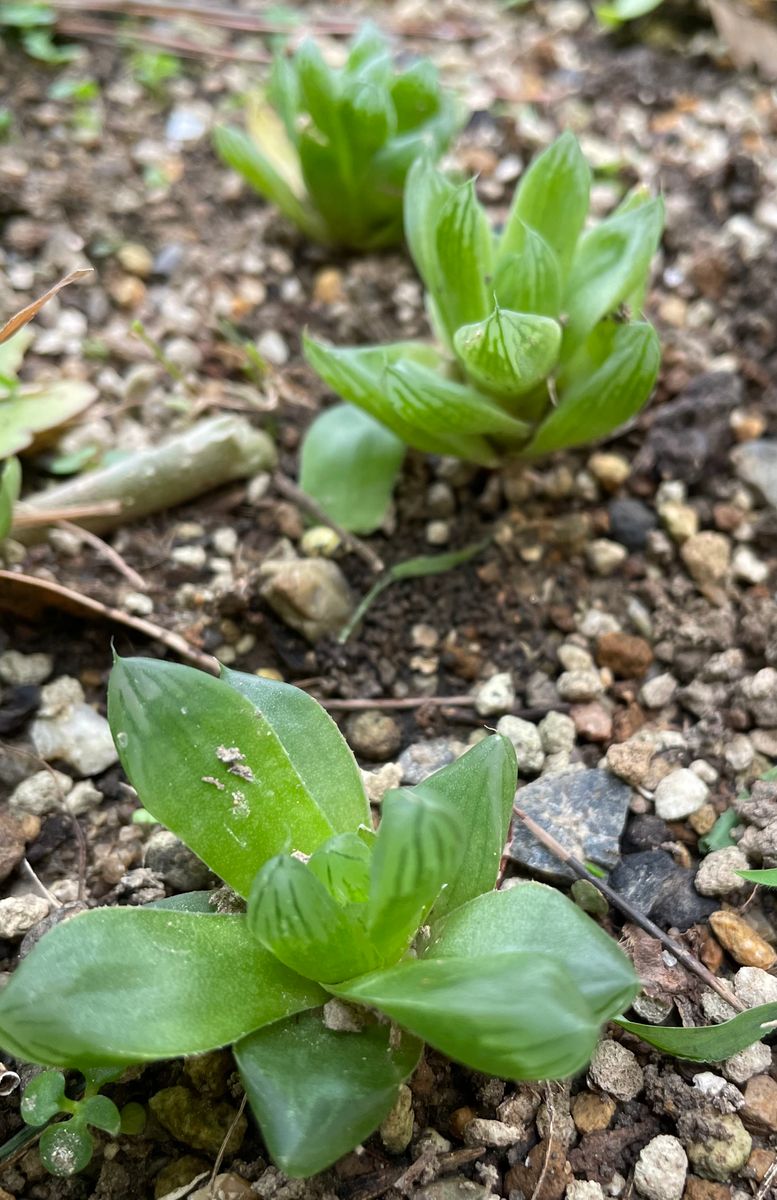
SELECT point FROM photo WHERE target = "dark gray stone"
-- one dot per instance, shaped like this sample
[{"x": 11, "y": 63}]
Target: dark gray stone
[
  {"x": 584, "y": 810},
  {"x": 660, "y": 889},
  {"x": 645, "y": 831},
  {"x": 630, "y": 522}
]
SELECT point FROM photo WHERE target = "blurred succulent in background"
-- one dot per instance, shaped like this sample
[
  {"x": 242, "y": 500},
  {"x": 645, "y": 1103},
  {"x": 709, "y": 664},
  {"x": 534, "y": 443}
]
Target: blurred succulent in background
[
  {"x": 536, "y": 346},
  {"x": 332, "y": 146}
]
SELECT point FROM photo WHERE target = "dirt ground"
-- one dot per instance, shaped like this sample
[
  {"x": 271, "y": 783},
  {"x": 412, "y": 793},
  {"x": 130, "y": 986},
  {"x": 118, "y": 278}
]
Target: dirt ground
[{"x": 648, "y": 563}]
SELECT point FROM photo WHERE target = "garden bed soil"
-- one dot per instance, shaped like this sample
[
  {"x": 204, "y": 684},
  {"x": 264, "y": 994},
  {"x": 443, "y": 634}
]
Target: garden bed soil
[{"x": 177, "y": 243}]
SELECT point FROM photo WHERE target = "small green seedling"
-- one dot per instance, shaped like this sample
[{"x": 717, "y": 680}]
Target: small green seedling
[
  {"x": 66, "y": 1146},
  {"x": 332, "y": 147},
  {"x": 616, "y": 12},
  {"x": 29, "y": 409},
  {"x": 356, "y": 946},
  {"x": 537, "y": 349},
  {"x": 34, "y": 23}
]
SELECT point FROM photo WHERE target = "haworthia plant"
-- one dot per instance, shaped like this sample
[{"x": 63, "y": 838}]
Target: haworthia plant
[
  {"x": 540, "y": 340},
  {"x": 331, "y": 147},
  {"x": 401, "y": 926}
]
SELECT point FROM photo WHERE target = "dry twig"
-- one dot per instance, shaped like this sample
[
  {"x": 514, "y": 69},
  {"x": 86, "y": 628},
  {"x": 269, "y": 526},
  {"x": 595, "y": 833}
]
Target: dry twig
[
  {"x": 107, "y": 552},
  {"x": 680, "y": 953}
]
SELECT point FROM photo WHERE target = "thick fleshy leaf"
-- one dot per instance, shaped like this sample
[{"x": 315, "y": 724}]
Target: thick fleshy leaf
[
  {"x": 618, "y": 11},
  {"x": 122, "y": 985},
  {"x": 594, "y": 407},
  {"x": 239, "y": 151},
  {"x": 368, "y": 43},
  {"x": 610, "y": 262},
  {"x": 343, "y": 866},
  {"x": 12, "y": 352},
  {"x": 464, "y": 260},
  {"x": 454, "y": 413},
  {"x": 10, "y": 486},
  {"x": 480, "y": 788},
  {"x": 35, "y": 409},
  {"x": 552, "y": 198},
  {"x": 426, "y": 192},
  {"x": 317, "y": 1093},
  {"x": 319, "y": 752},
  {"x": 509, "y": 352},
  {"x": 416, "y": 95},
  {"x": 268, "y": 133},
  {"x": 709, "y": 1043},
  {"x": 539, "y": 921},
  {"x": 66, "y": 1148},
  {"x": 292, "y": 915},
  {"x": 419, "y": 846},
  {"x": 361, "y": 376},
  {"x": 206, "y": 763},
  {"x": 43, "y": 1097},
  {"x": 349, "y": 464},
  {"x": 766, "y": 877},
  {"x": 519, "y": 1016},
  {"x": 368, "y": 116},
  {"x": 100, "y": 1113},
  {"x": 318, "y": 87},
  {"x": 528, "y": 279},
  {"x": 196, "y": 902}
]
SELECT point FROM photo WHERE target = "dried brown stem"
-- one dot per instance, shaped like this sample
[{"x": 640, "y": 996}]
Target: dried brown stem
[
  {"x": 108, "y": 553},
  {"x": 102, "y": 31},
  {"x": 289, "y": 489},
  {"x": 51, "y": 516},
  {"x": 224, "y": 1144},
  {"x": 680, "y": 953},
  {"x": 57, "y": 595}
]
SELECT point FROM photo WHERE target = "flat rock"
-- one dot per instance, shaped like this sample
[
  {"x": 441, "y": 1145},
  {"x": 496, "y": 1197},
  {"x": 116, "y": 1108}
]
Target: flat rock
[{"x": 585, "y": 810}]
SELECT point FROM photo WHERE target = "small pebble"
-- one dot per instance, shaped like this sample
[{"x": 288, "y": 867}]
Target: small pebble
[
  {"x": 658, "y": 691},
  {"x": 610, "y": 470},
  {"x": 722, "y": 1151},
  {"x": 661, "y": 1168},
  {"x": 745, "y": 565},
  {"x": 374, "y": 735},
  {"x": 396, "y": 1130},
  {"x": 22, "y": 670},
  {"x": 272, "y": 346},
  {"x": 679, "y": 794},
  {"x": 753, "y": 1060},
  {"x": 680, "y": 520},
  {"x": 754, "y": 986},
  {"x": 707, "y": 556},
  {"x": 579, "y": 686},
  {"x": 496, "y": 695},
  {"x": 741, "y": 941},
  {"x": 18, "y": 914},
  {"x": 557, "y": 733},
  {"x": 717, "y": 876},
  {"x": 628, "y": 657},
  {"x": 497, "y": 1134},
  {"x": 527, "y": 741},
  {"x": 592, "y": 1112},
  {"x": 615, "y": 1070},
  {"x": 604, "y": 556},
  {"x": 42, "y": 793}
]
